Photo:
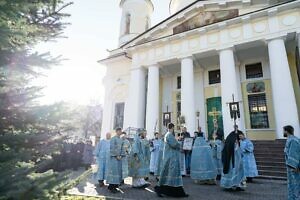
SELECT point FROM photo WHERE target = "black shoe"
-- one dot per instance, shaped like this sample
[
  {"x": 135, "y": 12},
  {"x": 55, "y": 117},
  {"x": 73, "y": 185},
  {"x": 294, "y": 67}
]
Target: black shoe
[
  {"x": 157, "y": 191},
  {"x": 152, "y": 173},
  {"x": 218, "y": 177},
  {"x": 114, "y": 190},
  {"x": 146, "y": 178},
  {"x": 186, "y": 195}
]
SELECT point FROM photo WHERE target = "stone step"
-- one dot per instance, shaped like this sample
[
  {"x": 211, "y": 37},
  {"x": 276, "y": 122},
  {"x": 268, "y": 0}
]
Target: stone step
[
  {"x": 272, "y": 173},
  {"x": 269, "y": 159},
  {"x": 271, "y": 177},
  {"x": 269, "y": 154},
  {"x": 270, "y": 163},
  {"x": 272, "y": 168}
]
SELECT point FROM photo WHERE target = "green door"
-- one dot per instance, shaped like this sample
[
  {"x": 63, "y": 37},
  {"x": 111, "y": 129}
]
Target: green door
[{"x": 214, "y": 114}]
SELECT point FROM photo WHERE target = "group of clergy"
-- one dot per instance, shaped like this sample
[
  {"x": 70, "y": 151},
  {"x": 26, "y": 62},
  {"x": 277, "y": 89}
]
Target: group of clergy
[{"x": 231, "y": 161}]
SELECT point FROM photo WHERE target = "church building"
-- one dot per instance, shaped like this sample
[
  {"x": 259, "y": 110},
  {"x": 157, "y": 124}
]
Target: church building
[{"x": 188, "y": 68}]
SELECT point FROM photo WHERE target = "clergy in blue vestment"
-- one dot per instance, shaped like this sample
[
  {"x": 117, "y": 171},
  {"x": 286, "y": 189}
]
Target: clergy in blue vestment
[
  {"x": 170, "y": 181},
  {"x": 102, "y": 156},
  {"x": 125, "y": 151},
  {"x": 233, "y": 169},
  {"x": 154, "y": 149},
  {"x": 182, "y": 159},
  {"x": 114, "y": 170},
  {"x": 247, "y": 148},
  {"x": 203, "y": 169},
  {"x": 140, "y": 161},
  {"x": 160, "y": 157},
  {"x": 217, "y": 147},
  {"x": 292, "y": 160}
]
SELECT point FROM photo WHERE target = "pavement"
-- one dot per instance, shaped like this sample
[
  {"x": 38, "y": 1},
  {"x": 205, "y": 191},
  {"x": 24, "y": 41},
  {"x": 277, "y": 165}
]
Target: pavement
[{"x": 260, "y": 189}]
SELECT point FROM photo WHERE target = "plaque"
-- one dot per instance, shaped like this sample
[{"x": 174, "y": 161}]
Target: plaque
[{"x": 188, "y": 144}]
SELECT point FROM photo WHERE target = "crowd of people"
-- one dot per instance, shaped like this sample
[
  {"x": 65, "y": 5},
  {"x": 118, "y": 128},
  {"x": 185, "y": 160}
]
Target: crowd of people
[{"x": 229, "y": 160}]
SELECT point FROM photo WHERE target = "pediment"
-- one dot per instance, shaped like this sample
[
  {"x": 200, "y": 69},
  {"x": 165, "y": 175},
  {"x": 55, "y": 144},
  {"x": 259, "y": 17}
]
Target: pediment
[{"x": 197, "y": 15}]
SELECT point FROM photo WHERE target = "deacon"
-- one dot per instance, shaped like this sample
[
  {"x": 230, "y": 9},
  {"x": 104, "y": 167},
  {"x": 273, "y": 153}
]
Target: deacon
[
  {"x": 182, "y": 155},
  {"x": 217, "y": 147},
  {"x": 102, "y": 156},
  {"x": 125, "y": 151},
  {"x": 247, "y": 148},
  {"x": 154, "y": 148},
  {"x": 160, "y": 157},
  {"x": 170, "y": 181},
  {"x": 114, "y": 175},
  {"x": 292, "y": 160},
  {"x": 203, "y": 169},
  {"x": 233, "y": 169},
  {"x": 139, "y": 161}
]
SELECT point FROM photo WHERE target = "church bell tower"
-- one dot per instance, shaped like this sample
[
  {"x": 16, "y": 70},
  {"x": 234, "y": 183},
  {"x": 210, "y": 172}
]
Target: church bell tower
[{"x": 136, "y": 17}]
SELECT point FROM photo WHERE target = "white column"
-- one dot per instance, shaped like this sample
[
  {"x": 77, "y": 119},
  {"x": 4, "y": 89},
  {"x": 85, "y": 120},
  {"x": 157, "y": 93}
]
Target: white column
[
  {"x": 152, "y": 111},
  {"x": 135, "y": 108},
  {"x": 282, "y": 87},
  {"x": 187, "y": 94},
  {"x": 229, "y": 87},
  {"x": 199, "y": 98}
]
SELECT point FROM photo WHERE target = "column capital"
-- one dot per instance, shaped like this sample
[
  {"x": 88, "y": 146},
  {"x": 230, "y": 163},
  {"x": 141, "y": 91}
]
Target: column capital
[
  {"x": 232, "y": 48},
  {"x": 278, "y": 37},
  {"x": 186, "y": 57},
  {"x": 153, "y": 65}
]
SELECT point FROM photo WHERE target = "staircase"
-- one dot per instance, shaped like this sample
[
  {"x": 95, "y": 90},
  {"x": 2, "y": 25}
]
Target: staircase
[{"x": 270, "y": 159}]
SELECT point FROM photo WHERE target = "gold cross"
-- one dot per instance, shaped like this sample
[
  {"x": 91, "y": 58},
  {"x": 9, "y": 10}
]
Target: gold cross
[{"x": 214, "y": 113}]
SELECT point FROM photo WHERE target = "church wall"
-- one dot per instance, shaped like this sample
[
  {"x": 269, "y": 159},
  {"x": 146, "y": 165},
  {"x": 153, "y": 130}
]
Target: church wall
[
  {"x": 116, "y": 91},
  {"x": 292, "y": 63},
  {"x": 258, "y": 134}
]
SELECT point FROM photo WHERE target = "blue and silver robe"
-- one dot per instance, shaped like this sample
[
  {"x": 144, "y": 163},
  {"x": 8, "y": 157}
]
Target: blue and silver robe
[
  {"x": 250, "y": 168},
  {"x": 217, "y": 147},
  {"x": 182, "y": 159},
  {"x": 125, "y": 154},
  {"x": 235, "y": 176},
  {"x": 114, "y": 175},
  {"x": 101, "y": 153},
  {"x": 292, "y": 160},
  {"x": 139, "y": 158},
  {"x": 154, "y": 155},
  {"x": 202, "y": 163},
  {"x": 170, "y": 174},
  {"x": 160, "y": 157}
]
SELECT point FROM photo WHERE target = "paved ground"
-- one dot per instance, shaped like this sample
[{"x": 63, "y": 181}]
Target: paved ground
[{"x": 259, "y": 190}]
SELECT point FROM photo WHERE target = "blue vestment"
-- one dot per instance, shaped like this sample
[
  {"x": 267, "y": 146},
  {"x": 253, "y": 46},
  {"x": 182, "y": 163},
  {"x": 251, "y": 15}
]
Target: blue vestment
[
  {"x": 217, "y": 147},
  {"x": 247, "y": 148},
  {"x": 182, "y": 159},
  {"x": 102, "y": 156},
  {"x": 139, "y": 158},
  {"x": 202, "y": 163},
  {"x": 125, "y": 151},
  {"x": 170, "y": 174},
  {"x": 154, "y": 155},
  {"x": 235, "y": 176},
  {"x": 160, "y": 157},
  {"x": 292, "y": 160},
  {"x": 114, "y": 175}
]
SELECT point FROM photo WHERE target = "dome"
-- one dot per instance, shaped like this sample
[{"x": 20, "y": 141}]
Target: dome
[{"x": 176, "y": 5}]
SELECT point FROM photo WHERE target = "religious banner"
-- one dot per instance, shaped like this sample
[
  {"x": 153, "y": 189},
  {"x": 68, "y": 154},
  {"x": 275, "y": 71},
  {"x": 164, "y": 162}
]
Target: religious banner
[
  {"x": 187, "y": 144},
  {"x": 256, "y": 87},
  {"x": 214, "y": 115},
  {"x": 166, "y": 118},
  {"x": 206, "y": 18}
]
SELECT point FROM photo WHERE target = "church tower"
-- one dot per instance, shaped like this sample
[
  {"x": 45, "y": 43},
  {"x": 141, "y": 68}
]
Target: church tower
[{"x": 136, "y": 15}]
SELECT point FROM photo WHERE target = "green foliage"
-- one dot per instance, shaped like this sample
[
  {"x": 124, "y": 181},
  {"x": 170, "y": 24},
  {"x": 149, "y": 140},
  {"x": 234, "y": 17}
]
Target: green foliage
[{"x": 30, "y": 134}]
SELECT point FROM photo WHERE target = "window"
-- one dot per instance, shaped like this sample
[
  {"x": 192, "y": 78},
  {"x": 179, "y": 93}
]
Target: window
[
  {"x": 178, "y": 82},
  {"x": 214, "y": 76},
  {"x": 119, "y": 115},
  {"x": 254, "y": 71},
  {"x": 258, "y": 111}
]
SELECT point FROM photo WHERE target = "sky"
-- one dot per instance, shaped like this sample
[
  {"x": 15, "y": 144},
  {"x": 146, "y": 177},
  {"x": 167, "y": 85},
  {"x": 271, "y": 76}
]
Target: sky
[{"x": 94, "y": 29}]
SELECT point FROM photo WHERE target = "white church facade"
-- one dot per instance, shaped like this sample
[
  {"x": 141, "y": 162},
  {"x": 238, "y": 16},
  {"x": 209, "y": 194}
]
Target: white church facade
[{"x": 188, "y": 68}]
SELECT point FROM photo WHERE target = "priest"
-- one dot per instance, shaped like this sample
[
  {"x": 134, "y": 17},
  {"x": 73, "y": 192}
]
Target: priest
[
  {"x": 203, "y": 169},
  {"x": 233, "y": 169},
  {"x": 114, "y": 175},
  {"x": 170, "y": 181},
  {"x": 247, "y": 148},
  {"x": 102, "y": 156},
  {"x": 140, "y": 160},
  {"x": 125, "y": 151},
  {"x": 154, "y": 148},
  {"x": 292, "y": 161}
]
